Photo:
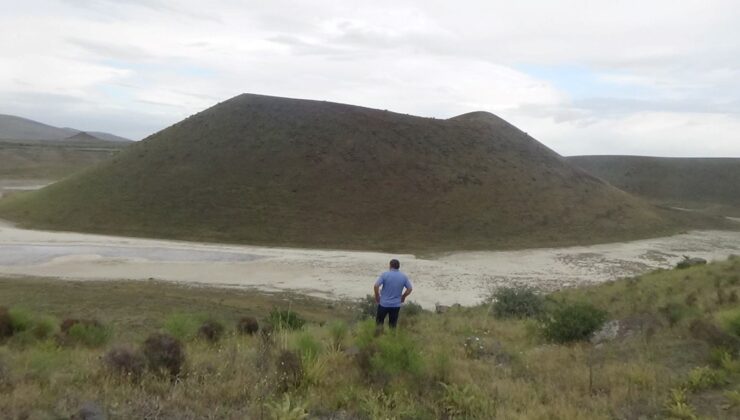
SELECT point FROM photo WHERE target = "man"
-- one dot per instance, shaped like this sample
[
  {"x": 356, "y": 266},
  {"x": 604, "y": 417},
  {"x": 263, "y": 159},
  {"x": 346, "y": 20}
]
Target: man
[{"x": 390, "y": 294}]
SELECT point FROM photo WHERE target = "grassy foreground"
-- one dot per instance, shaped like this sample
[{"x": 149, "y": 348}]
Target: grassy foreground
[{"x": 674, "y": 355}]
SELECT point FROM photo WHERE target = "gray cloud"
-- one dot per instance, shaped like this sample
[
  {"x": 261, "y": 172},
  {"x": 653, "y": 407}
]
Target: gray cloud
[{"x": 628, "y": 75}]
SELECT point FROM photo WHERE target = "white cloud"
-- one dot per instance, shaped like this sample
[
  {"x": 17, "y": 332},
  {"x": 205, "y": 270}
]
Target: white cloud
[{"x": 664, "y": 74}]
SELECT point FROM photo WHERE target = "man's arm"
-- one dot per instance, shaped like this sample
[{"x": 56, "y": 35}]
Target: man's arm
[
  {"x": 409, "y": 288},
  {"x": 406, "y": 294},
  {"x": 376, "y": 288}
]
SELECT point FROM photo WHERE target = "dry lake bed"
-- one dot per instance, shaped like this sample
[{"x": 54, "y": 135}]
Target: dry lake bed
[{"x": 463, "y": 277}]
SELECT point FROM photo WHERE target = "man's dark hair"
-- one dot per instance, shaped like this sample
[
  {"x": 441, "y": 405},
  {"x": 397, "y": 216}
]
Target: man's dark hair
[{"x": 395, "y": 264}]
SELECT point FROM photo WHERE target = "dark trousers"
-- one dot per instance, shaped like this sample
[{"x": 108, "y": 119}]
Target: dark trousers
[{"x": 392, "y": 316}]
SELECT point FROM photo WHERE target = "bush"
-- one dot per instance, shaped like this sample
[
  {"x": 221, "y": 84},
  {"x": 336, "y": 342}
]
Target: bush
[
  {"x": 474, "y": 347},
  {"x": 282, "y": 319},
  {"x": 573, "y": 322},
  {"x": 184, "y": 326},
  {"x": 701, "y": 378},
  {"x": 44, "y": 328},
  {"x": 367, "y": 307},
  {"x": 289, "y": 370},
  {"x": 516, "y": 302},
  {"x": 287, "y": 409},
  {"x": 675, "y": 312},
  {"x": 164, "y": 354},
  {"x": 412, "y": 309},
  {"x": 733, "y": 324},
  {"x": 88, "y": 333},
  {"x": 308, "y": 346},
  {"x": 248, "y": 326},
  {"x": 395, "y": 353},
  {"x": 266, "y": 334},
  {"x": 125, "y": 361},
  {"x": 211, "y": 331},
  {"x": 365, "y": 333},
  {"x": 464, "y": 401},
  {"x": 712, "y": 334},
  {"x": 338, "y": 331},
  {"x": 24, "y": 327},
  {"x": 20, "y": 320},
  {"x": 6, "y": 324},
  {"x": 6, "y": 381}
]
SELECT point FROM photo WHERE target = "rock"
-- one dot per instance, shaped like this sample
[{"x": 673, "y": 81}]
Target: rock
[
  {"x": 690, "y": 262},
  {"x": 90, "y": 411},
  {"x": 352, "y": 351},
  {"x": 608, "y": 332},
  {"x": 440, "y": 309}
]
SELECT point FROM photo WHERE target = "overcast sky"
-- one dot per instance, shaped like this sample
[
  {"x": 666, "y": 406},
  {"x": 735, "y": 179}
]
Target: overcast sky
[{"x": 658, "y": 77}]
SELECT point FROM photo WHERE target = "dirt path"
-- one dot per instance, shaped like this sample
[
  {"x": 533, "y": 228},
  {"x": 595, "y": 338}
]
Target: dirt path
[{"x": 464, "y": 277}]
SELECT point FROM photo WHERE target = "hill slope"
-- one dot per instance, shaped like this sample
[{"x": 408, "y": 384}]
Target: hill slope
[
  {"x": 18, "y": 128},
  {"x": 712, "y": 183},
  {"x": 268, "y": 170}
]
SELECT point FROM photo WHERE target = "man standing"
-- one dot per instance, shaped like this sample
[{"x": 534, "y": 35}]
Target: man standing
[{"x": 390, "y": 297}]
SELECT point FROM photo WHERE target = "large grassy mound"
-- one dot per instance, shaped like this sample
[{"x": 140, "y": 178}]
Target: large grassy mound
[
  {"x": 702, "y": 183},
  {"x": 269, "y": 170}
]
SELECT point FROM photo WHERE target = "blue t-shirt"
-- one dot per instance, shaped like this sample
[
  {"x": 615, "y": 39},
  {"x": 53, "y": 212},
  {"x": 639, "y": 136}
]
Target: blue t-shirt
[{"x": 392, "y": 284}]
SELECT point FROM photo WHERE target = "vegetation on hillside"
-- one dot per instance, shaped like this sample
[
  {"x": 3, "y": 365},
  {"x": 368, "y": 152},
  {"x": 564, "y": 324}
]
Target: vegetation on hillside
[
  {"x": 709, "y": 184},
  {"x": 276, "y": 171},
  {"x": 666, "y": 347},
  {"x": 51, "y": 160}
]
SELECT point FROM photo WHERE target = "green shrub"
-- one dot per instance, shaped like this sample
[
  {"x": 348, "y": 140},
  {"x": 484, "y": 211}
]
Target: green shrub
[
  {"x": 412, "y": 309},
  {"x": 733, "y": 324},
  {"x": 282, "y": 319},
  {"x": 308, "y": 346},
  {"x": 573, "y": 322},
  {"x": 287, "y": 409},
  {"x": 44, "y": 327},
  {"x": 184, "y": 326},
  {"x": 723, "y": 359},
  {"x": 338, "y": 331},
  {"x": 701, "y": 378},
  {"x": 516, "y": 302},
  {"x": 440, "y": 365},
  {"x": 6, "y": 323},
  {"x": 365, "y": 333},
  {"x": 88, "y": 334},
  {"x": 464, "y": 402},
  {"x": 20, "y": 319},
  {"x": 675, "y": 312},
  {"x": 678, "y": 406},
  {"x": 396, "y": 353},
  {"x": 367, "y": 307},
  {"x": 709, "y": 331}
]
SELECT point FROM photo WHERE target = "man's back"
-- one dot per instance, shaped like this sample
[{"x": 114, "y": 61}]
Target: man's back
[{"x": 392, "y": 282}]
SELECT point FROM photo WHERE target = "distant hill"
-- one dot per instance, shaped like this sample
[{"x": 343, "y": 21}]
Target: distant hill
[
  {"x": 704, "y": 183},
  {"x": 83, "y": 137},
  {"x": 267, "y": 170},
  {"x": 52, "y": 159},
  {"x": 18, "y": 128}
]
